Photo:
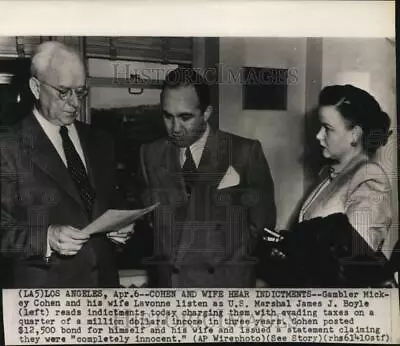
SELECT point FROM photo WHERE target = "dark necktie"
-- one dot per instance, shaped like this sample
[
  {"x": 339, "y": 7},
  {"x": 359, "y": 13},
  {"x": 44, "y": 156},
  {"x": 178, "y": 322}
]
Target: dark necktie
[
  {"x": 77, "y": 171},
  {"x": 189, "y": 170}
]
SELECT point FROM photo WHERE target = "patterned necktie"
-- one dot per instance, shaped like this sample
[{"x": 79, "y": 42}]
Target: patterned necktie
[
  {"x": 189, "y": 170},
  {"x": 77, "y": 171}
]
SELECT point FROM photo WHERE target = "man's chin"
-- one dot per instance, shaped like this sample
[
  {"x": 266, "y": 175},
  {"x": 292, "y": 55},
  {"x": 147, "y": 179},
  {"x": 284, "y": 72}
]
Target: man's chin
[
  {"x": 68, "y": 119},
  {"x": 325, "y": 153},
  {"x": 179, "y": 142}
]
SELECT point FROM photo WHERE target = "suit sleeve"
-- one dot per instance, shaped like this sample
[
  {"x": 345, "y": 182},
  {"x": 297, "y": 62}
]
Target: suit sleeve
[
  {"x": 368, "y": 205},
  {"x": 142, "y": 179},
  {"x": 19, "y": 238},
  {"x": 262, "y": 211}
]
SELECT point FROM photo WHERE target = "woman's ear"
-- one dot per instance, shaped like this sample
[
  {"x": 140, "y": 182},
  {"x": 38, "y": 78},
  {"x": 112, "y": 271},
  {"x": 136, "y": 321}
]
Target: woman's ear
[
  {"x": 357, "y": 133},
  {"x": 34, "y": 85}
]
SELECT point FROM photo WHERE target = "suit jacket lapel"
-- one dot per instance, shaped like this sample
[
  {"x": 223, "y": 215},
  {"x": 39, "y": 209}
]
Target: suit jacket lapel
[
  {"x": 215, "y": 159},
  {"x": 92, "y": 155},
  {"x": 94, "y": 161},
  {"x": 45, "y": 156},
  {"x": 338, "y": 181},
  {"x": 171, "y": 176},
  {"x": 170, "y": 189},
  {"x": 213, "y": 164}
]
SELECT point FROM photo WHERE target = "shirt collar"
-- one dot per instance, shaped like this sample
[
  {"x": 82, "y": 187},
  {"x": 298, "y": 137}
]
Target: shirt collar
[
  {"x": 47, "y": 125},
  {"x": 196, "y": 148},
  {"x": 201, "y": 142}
]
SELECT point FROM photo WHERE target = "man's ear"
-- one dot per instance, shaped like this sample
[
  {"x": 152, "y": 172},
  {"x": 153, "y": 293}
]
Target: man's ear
[
  {"x": 34, "y": 85},
  {"x": 207, "y": 113}
]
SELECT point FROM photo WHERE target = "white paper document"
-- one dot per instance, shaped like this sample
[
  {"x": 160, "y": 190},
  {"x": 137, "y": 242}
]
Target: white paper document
[{"x": 113, "y": 220}]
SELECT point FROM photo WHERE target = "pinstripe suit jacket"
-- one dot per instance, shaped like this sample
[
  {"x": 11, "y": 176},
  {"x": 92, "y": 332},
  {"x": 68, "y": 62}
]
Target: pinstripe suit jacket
[
  {"x": 205, "y": 239},
  {"x": 37, "y": 191}
]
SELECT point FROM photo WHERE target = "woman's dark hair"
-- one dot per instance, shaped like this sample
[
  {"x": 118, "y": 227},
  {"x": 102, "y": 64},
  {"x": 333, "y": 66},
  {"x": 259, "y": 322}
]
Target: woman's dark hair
[{"x": 359, "y": 108}]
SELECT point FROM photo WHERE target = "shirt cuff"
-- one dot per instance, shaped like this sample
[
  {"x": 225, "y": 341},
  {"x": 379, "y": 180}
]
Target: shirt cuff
[{"x": 49, "y": 251}]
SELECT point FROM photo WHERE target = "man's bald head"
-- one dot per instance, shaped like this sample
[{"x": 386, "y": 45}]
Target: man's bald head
[
  {"x": 58, "y": 76},
  {"x": 51, "y": 56}
]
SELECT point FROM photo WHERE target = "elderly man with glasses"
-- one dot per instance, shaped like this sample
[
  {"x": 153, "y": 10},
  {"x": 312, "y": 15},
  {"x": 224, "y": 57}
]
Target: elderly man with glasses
[{"x": 57, "y": 175}]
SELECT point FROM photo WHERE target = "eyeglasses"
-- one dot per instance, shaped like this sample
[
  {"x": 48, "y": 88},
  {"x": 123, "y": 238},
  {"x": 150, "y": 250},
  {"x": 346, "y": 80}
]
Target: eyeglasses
[{"x": 66, "y": 93}]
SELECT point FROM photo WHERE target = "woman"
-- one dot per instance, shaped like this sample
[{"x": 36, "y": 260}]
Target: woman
[{"x": 344, "y": 220}]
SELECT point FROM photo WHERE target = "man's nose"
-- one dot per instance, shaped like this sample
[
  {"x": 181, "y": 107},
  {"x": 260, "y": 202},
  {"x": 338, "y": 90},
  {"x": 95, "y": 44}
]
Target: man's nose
[
  {"x": 176, "y": 126},
  {"x": 73, "y": 100},
  {"x": 319, "y": 135}
]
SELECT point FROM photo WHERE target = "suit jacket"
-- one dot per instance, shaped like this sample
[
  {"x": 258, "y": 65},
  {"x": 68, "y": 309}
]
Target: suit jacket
[
  {"x": 362, "y": 192},
  {"x": 205, "y": 238},
  {"x": 37, "y": 191}
]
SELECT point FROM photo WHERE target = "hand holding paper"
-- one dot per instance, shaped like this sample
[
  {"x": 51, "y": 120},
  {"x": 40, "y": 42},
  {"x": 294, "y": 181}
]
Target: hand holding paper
[
  {"x": 113, "y": 220},
  {"x": 122, "y": 235},
  {"x": 65, "y": 240}
]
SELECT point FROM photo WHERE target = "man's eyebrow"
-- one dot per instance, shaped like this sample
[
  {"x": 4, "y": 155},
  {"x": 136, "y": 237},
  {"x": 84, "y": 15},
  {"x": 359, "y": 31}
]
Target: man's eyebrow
[
  {"x": 178, "y": 115},
  {"x": 325, "y": 124},
  {"x": 68, "y": 87},
  {"x": 166, "y": 113}
]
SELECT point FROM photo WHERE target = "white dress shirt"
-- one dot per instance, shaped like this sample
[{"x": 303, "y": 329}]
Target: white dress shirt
[
  {"x": 196, "y": 149},
  {"x": 53, "y": 133}
]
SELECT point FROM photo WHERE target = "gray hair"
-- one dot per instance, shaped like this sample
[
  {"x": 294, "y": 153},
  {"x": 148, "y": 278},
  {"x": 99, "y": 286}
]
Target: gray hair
[{"x": 44, "y": 54}]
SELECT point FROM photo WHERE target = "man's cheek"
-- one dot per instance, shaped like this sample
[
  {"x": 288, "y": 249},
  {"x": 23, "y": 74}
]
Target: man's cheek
[
  {"x": 167, "y": 125},
  {"x": 189, "y": 127}
]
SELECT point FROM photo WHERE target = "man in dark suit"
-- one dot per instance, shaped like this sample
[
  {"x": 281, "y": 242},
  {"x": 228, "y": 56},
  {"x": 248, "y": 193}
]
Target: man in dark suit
[
  {"x": 57, "y": 175},
  {"x": 215, "y": 191}
]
